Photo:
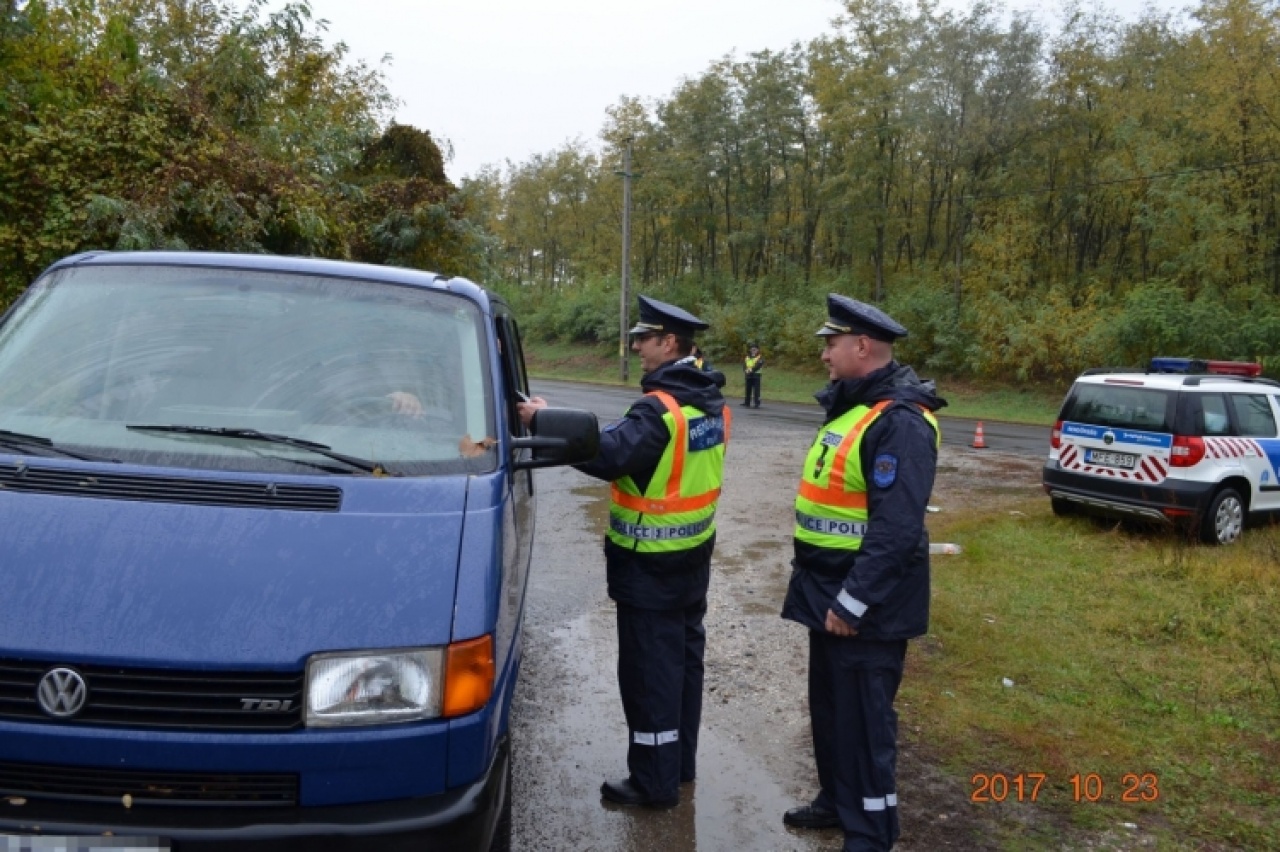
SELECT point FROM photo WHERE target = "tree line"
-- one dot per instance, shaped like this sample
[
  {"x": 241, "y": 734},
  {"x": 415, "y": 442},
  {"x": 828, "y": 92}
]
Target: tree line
[
  {"x": 1028, "y": 202},
  {"x": 190, "y": 124}
]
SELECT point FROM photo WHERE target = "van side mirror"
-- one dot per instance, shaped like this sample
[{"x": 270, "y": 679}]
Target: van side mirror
[{"x": 560, "y": 436}]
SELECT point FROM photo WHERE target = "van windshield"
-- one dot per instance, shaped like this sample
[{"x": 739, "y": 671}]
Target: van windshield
[{"x": 389, "y": 373}]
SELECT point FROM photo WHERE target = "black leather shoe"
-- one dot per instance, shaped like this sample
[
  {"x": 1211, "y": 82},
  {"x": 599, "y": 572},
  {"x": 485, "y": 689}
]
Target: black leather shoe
[
  {"x": 623, "y": 792},
  {"x": 811, "y": 816}
]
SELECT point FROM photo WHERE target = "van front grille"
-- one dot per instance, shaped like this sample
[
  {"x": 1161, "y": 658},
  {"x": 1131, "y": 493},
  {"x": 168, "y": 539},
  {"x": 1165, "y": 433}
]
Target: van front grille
[
  {"x": 95, "y": 784},
  {"x": 161, "y": 698},
  {"x": 35, "y": 479}
]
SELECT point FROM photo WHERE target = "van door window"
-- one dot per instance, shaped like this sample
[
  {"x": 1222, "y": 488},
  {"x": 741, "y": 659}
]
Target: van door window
[
  {"x": 515, "y": 378},
  {"x": 1253, "y": 415},
  {"x": 512, "y": 368}
]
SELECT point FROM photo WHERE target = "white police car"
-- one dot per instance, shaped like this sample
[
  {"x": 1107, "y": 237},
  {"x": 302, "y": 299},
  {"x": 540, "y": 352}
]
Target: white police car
[{"x": 1187, "y": 442}]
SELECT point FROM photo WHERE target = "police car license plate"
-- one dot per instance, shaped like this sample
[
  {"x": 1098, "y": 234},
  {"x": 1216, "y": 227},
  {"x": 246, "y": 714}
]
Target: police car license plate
[{"x": 1106, "y": 458}]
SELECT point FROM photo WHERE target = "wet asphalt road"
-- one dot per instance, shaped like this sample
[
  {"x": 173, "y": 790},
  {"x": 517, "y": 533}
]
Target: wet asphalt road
[
  {"x": 569, "y": 733},
  {"x": 568, "y": 729}
]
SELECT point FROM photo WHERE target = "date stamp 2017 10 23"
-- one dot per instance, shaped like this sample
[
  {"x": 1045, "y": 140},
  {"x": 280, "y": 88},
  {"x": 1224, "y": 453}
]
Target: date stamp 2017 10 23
[{"x": 1135, "y": 787}]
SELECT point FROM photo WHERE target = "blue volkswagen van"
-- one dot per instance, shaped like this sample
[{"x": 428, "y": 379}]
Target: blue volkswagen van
[{"x": 265, "y": 533}]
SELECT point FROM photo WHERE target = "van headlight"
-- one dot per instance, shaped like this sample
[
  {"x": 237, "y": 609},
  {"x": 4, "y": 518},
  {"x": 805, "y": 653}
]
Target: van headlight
[{"x": 366, "y": 688}]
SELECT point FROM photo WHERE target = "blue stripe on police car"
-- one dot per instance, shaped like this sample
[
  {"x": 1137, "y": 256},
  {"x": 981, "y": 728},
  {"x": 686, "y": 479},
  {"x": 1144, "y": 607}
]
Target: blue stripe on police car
[{"x": 1155, "y": 440}]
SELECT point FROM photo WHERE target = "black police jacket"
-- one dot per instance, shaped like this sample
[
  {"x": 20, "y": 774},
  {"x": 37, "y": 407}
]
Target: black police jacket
[
  {"x": 890, "y": 573},
  {"x": 633, "y": 446}
]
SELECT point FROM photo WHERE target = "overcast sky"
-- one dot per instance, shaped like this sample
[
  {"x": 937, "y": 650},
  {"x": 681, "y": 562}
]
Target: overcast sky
[{"x": 505, "y": 79}]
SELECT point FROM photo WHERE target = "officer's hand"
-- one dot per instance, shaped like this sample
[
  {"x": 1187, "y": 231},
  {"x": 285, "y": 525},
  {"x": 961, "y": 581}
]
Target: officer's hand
[
  {"x": 529, "y": 408},
  {"x": 838, "y": 626}
]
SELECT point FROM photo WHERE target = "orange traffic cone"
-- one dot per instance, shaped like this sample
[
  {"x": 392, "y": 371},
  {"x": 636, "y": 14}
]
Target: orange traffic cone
[{"x": 979, "y": 443}]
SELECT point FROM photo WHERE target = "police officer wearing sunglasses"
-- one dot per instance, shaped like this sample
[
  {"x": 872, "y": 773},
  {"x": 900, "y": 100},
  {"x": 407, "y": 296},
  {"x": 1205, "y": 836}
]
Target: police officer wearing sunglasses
[{"x": 665, "y": 460}]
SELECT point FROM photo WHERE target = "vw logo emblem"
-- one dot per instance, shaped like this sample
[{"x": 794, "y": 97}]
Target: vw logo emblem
[{"x": 62, "y": 693}]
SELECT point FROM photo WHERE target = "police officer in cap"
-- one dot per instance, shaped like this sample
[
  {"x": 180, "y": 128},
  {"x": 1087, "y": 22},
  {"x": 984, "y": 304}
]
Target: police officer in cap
[
  {"x": 860, "y": 579},
  {"x": 665, "y": 460}
]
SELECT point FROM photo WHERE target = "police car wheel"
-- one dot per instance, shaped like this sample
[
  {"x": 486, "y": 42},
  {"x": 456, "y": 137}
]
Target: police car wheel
[
  {"x": 1061, "y": 508},
  {"x": 1224, "y": 521}
]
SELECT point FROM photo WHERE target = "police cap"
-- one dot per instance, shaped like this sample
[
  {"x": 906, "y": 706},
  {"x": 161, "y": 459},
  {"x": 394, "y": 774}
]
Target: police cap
[
  {"x": 849, "y": 316},
  {"x": 660, "y": 317}
]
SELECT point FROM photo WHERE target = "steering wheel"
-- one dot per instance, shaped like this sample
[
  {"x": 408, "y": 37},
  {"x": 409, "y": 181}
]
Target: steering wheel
[{"x": 361, "y": 410}]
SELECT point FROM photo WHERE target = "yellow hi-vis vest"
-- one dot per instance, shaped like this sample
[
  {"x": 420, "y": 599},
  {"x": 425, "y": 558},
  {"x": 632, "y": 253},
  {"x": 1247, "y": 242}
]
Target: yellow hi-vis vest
[
  {"x": 831, "y": 506},
  {"x": 677, "y": 511},
  {"x": 749, "y": 363}
]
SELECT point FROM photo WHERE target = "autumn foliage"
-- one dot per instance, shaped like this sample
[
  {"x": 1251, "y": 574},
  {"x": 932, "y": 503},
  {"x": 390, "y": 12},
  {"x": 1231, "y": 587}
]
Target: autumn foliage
[
  {"x": 1029, "y": 201},
  {"x": 146, "y": 124}
]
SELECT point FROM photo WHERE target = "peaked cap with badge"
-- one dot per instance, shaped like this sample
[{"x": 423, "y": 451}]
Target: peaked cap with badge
[
  {"x": 659, "y": 317},
  {"x": 849, "y": 316}
]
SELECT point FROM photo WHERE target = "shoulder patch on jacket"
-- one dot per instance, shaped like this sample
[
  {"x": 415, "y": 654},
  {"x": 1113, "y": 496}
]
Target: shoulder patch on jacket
[{"x": 885, "y": 470}]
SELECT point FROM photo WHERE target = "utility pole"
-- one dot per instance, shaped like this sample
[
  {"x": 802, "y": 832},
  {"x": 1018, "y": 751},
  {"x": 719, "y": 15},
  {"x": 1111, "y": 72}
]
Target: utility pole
[{"x": 625, "y": 301}]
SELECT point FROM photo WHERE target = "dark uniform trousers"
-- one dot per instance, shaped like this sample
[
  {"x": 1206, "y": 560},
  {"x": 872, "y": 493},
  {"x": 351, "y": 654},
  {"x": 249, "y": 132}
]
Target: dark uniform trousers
[
  {"x": 660, "y": 674},
  {"x": 852, "y": 685}
]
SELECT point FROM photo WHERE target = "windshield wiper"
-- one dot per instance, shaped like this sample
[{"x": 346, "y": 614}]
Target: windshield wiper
[
  {"x": 375, "y": 468},
  {"x": 20, "y": 439}
]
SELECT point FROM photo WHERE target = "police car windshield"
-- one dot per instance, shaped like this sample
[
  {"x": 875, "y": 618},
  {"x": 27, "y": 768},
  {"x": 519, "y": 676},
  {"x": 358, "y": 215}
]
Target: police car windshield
[
  {"x": 1121, "y": 407},
  {"x": 93, "y": 349}
]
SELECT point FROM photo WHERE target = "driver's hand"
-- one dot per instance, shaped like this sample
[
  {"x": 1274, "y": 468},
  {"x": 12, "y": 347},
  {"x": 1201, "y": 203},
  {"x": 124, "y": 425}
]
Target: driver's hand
[
  {"x": 403, "y": 402},
  {"x": 529, "y": 408}
]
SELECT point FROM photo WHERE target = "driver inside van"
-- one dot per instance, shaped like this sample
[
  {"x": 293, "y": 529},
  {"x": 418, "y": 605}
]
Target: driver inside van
[{"x": 403, "y": 402}]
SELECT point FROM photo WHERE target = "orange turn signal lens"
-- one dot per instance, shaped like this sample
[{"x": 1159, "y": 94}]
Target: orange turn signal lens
[{"x": 468, "y": 676}]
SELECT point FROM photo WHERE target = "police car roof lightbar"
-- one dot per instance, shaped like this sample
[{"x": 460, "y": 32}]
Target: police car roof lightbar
[{"x": 1247, "y": 369}]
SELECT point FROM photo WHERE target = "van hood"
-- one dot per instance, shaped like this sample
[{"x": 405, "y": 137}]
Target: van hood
[{"x": 147, "y": 583}]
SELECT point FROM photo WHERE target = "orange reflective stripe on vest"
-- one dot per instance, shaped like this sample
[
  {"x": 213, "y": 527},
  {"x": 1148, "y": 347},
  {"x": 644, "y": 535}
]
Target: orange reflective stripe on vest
[
  {"x": 834, "y": 494},
  {"x": 672, "y": 502}
]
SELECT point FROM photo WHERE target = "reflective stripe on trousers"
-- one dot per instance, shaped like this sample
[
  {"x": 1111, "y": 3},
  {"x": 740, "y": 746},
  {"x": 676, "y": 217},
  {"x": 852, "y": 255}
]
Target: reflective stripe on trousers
[
  {"x": 660, "y": 738},
  {"x": 881, "y": 803}
]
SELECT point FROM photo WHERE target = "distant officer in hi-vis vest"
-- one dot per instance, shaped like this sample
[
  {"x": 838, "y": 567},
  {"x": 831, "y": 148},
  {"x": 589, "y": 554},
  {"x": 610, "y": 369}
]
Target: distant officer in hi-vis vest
[
  {"x": 665, "y": 458},
  {"x": 861, "y": 571},
  {"x": 752, "y": 370}
]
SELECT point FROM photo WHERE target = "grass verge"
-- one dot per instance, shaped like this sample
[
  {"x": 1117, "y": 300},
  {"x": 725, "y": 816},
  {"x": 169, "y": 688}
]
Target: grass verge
[
  {"x": 1034, "y": 404},
  {"x": 1071, "y": 648}
]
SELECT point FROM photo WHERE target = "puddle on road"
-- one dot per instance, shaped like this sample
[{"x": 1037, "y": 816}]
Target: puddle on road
[
  {"x": 596, "y": 510},
  {"x": 735, "y": 804}
]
